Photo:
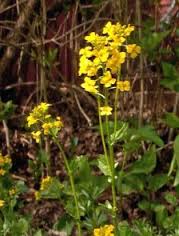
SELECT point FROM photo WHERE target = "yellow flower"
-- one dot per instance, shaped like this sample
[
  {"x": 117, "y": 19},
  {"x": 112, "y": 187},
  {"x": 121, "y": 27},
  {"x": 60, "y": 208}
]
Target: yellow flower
[
  {"x": 47, "y": 127},
  {"x": 123, "y": 85},
  {"x": 2, "y": 202},
  {"x": 96, "y": 40},
  {"x": 108, "y": 28},
  {"x": 92, "y": 71},
  {"x": 2, "y": 172},
  {"x": 86, "y": 52},
  {"x": 12, "y": 191},
  {"x": 89, "y": 85},
  {"x": 36, "y": 135},
  {"x": 107, "y": 79},
  {"x": 37, "y": 195},
  {"x": 116, "y": 60},
  {"x": 4, "y": 160},
  {"x": 37, "y": 113},
  {"x": 92, "y": 37},
  {"x": 31, "y": 120},
  {"x": 128, "y": 30},
  {"x": 58, "y": 123},
  {"x": 102, "y": 54},
  {"x": 54, "y": 124},
  {"x": 45, "y": 183},
  {"x": 106, "y": 230},
  {"x": 105, "y": 111},
  {"x": 117, "y": 42},
  {"x": 84, "y": 65},
  {"x": 133, "y": 50}
]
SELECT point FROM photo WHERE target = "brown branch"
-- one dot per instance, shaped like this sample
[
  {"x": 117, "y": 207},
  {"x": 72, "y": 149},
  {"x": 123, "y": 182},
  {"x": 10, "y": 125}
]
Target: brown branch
[{"x": 10, "y": 51}]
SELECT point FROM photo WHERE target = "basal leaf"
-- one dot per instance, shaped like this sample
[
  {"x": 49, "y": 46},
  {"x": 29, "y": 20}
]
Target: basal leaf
[
  {"x": 171, "y": 120},
  {"x": 146, "y": 164},
  {"x": 157, "y": 181}
]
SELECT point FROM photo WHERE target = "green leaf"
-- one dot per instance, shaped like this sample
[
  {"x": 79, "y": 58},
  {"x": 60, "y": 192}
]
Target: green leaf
[
  {"x": 53, "y": 190},
  {"x": 146, "y": 164},
  {"x": 103, "y": 165},
  {"x": 171, "y": 120},
  {"x": 38, "y": 233},
  {"x": 161, "y": 213},
  {"x": 171, "y": 77},
  {"x": 119, "y": 134},
  {"x": 149, "y": 134},
  {"x": 124, "y": 229},
  {"x": 6, "y": 110},
  {"x": 176, "y": 149},
  {"x": 81, "y": 168},
  {"x": 145, "y": 205},
  {"x": 131, "y": 183},
  {"x": 21, "y": 227},
  {"x": 43, "y": 156},
  {"x": 171, "y": 199},
  {"x": 176, "y": 181},
  {"x": 156, "y": 182},
  {"x": 64, "y": 224},
  {"x": 169, "y": 70},
  {"x": 151, "y": 41}
]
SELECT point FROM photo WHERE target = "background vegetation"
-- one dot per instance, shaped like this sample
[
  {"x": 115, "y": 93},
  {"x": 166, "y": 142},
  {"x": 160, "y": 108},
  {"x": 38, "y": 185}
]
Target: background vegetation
[{"x": 40, "y": 42}]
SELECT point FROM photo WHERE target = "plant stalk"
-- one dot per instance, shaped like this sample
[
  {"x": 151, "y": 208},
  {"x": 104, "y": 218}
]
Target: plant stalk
[{"x": 71, "y": 183}]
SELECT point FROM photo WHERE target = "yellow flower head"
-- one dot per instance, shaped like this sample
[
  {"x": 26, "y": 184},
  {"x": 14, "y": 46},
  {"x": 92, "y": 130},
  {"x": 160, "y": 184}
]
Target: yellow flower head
[
  {"x": 2, "y": 172},
  {"x": 105, "y": 111},
  {"x": 102, "y": 54},
  {"x": 85, "y": 65},
  {"x": 37, "y": 113},
  {"x": 116, "y": 60},
  {"x": 107, "y": 79},
  {"x": 12, "y": 191},
  {"x": 50, "y": 125},
  {"x": 128, "y": 30},
  {"x": 106, "y": 230},
  {"x": 31, "y": 120},
  {"x": 133, "y": 50},
  {"x": 4, "y": 160},
  {"x": 92, "y": 37},
  {"x": 36, "y": 135},
  {"x": 96, "y": 40},
  {"x": 89, "y": 85},
  {"x": 123, "y": 85},
  {"x": 37, "y": 195},
  {"x": 2, "y": 202},
  {"x": 45, "y": 183},
  {"x": 86, "y": 52}
]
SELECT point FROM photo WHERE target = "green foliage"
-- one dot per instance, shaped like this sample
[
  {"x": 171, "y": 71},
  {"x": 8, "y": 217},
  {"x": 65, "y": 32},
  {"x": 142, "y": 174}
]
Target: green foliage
[
  {"x": 146, "y": 164},
  {"x": 6, "y": 110},
  {"x": 151, "y": 41},
  {"x": 171, "y": 120},
  {"x": 171, "y": 77}
]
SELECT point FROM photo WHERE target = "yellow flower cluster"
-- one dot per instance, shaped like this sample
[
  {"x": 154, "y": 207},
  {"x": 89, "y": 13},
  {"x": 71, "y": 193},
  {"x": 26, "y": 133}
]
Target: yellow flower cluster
[
  {"x": 106, "y": 53},
  {"x": 2, "y": 202},
  {"x": 5, "y": 163},
  {"x": 12, "y": 191},
  {"x": 45, "y": 183},
  {"x": 106, "y": 230},
  {"x": 105, "y": 111},
  {"x": 123, "y": 85},
  {"x": 42, "y": 122}
]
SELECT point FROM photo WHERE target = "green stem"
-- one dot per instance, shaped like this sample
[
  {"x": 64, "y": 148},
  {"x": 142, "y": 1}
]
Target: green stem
[
  {"x": 102, "y": 133},
  {"x": 122, "y": 168},
  {"x": 110, "y": 160},
  {"x": 72, "y": 184},
  {"x": 115, "y": 101}
]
